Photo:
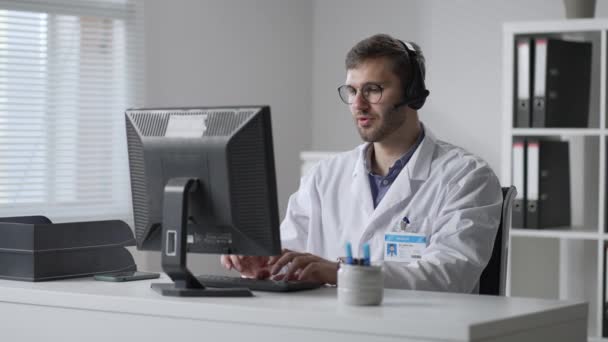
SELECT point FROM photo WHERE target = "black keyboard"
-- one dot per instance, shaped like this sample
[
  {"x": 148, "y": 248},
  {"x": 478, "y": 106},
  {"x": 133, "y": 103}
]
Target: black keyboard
[{"x": 256, "y": 284}]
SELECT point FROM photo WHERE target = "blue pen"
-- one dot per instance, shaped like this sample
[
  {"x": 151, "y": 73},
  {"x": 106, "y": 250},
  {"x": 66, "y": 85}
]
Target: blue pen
[
  {"x": 366, "y": 255},
  {"x": 349, "y": 254}
]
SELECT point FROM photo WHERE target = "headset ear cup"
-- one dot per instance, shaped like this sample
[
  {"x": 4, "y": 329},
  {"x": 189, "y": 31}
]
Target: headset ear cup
[
  {"x": 415, "y": 92},
  {"x": 419, "y": 101},
  {"x": 412, "y": 91}
]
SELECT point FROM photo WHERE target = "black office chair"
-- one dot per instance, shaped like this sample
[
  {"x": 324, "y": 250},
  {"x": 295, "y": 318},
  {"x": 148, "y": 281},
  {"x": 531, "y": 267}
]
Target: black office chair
[{"x": 493, "y": 279}]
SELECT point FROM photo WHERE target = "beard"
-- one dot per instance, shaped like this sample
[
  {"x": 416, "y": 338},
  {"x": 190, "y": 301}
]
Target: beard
[{"x": 382, "y": 125}]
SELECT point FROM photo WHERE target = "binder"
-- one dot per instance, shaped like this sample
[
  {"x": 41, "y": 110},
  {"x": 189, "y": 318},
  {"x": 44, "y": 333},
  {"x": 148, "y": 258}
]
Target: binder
[
  {"x": 518, "y": 175},
  {"x": 548, "y": 184},
  {"x": 523, "y": 82},
  {"x": 562, "y": 83}
]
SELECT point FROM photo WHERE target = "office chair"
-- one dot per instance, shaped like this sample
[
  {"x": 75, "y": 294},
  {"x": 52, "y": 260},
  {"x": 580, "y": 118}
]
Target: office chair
[{"x": 493, "y": 279}]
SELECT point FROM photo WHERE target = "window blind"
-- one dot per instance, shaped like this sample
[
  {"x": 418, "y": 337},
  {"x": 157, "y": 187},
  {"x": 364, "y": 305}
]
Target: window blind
[{"x": 68, "y": 71}]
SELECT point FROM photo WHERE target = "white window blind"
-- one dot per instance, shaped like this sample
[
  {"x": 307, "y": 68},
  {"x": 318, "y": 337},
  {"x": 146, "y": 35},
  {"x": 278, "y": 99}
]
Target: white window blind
[{"x": 68, "y": 71}]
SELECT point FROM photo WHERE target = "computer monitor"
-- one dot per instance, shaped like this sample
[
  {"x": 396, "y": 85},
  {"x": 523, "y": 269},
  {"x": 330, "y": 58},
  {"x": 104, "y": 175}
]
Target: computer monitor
[{"x": 203, "y": 181}]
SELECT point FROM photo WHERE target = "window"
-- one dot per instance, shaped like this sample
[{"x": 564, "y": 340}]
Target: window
[{"x": 68, "y": 71}]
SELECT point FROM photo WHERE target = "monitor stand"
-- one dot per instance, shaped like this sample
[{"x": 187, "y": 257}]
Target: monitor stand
[{"x": 174, "y": 246}]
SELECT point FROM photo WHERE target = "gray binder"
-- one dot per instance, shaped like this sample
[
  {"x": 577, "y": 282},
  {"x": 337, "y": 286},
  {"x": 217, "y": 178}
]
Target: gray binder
[
  {"x": 548, "y": 184},
  {"x": 524, "y": 50},
  {"x": 562, "y": 83}
]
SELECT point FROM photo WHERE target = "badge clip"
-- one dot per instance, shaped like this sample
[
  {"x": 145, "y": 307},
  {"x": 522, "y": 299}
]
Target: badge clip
[{"x": 404, "y": 223}]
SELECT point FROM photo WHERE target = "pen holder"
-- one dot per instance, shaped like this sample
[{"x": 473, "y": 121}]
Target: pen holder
[{"x": 360, "y": 285}]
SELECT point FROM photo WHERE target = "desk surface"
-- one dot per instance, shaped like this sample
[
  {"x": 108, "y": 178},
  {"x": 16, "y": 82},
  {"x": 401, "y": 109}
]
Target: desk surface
[{"x": 428, "y": 315}]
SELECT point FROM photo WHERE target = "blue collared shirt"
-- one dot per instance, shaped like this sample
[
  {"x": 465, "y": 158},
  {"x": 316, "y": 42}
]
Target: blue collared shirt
[{"x": 380, "y": 184}]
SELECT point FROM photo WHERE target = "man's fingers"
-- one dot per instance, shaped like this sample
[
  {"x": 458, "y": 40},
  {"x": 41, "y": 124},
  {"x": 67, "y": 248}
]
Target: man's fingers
[
  {"x": 278, "y": 277},
  {"x": 282, "y": 261},
  {"x": 273, "y": 259},
  {"x": 301, "y": 261},
  {"x": 236, "y": 262},
  {"x": 225, "y": 261},
  {"x": 310, "y": 272},
  {"x": 297, "y": 264},
  {"x": 257, "y": 267},
  {"x": 262, "y": 274}
]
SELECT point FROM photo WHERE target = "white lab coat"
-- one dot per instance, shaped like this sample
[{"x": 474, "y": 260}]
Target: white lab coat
[{"x": 448, "y": 194}]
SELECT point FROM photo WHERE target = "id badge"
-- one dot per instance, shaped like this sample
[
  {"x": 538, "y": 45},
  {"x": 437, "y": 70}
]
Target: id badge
[{"x": 403, "y": 246}]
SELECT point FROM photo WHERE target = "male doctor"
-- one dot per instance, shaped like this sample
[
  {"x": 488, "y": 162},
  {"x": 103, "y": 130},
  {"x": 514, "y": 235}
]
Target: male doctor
[{"x": 439, "y": 204}]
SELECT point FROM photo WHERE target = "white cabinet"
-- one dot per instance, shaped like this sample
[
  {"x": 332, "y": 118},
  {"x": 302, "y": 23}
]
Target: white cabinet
[{"x": 563, "y": 262}]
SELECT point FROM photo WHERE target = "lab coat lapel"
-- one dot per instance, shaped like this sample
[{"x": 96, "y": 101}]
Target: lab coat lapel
[
  {"x": 360, "y": 189},
  {"x": 408, "y": 181}
]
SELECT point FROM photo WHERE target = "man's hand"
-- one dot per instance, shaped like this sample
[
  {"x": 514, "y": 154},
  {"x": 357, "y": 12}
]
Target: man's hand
[
  {"x": 249, "y": 266},
  {"x": 304, "y": 266}
]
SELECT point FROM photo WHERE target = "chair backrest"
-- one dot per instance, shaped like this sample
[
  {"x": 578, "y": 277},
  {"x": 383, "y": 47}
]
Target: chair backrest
[{"x": 493, "y": 279}]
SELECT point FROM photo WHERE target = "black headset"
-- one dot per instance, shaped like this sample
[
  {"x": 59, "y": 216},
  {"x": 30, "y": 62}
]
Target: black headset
[{"x": 415, "y": 91}]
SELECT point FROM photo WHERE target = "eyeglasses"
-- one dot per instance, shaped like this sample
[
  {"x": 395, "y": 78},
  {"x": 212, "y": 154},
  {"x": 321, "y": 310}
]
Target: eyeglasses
[{"x": 371, "y": 92}]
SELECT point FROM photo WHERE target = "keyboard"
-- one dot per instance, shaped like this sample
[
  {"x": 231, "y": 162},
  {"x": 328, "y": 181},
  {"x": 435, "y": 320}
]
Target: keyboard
[{"x": 256, "y": 284}]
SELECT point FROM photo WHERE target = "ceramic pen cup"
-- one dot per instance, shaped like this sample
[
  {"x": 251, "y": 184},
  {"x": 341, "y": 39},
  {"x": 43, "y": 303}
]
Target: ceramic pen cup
[{"x": 360, "y": 285}]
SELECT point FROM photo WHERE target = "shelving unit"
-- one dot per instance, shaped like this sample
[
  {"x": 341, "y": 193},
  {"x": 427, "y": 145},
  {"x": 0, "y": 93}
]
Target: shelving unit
[{"x": 564, "y": 262}]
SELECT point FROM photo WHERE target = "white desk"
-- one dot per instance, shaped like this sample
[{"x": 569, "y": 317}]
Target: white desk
[{"x": 87, "y": 310}]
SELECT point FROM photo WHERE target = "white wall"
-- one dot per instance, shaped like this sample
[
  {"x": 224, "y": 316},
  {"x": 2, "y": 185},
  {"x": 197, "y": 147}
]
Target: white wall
[
  {"x": 337, "y": 26},
  {"x": 228, "y": 52},
  {"x": 462, "y": 42}
]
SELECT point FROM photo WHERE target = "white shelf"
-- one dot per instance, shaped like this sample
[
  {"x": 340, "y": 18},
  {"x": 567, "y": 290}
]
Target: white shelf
[
  {"x": 555, "y": 26},
  {"x": 557, "y": 233},
  {"x": 597, "y": 339},
  {"x": 567, "y": 262},
  {"x": 591, "y": 132}
]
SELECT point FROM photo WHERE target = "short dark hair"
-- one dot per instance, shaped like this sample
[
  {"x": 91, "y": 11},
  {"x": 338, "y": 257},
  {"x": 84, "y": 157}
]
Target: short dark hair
[{"x": 383, "y": 45}]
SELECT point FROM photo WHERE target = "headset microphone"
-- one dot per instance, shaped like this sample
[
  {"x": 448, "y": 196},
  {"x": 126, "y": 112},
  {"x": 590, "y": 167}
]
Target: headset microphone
[{"x": 401, "y": 104}]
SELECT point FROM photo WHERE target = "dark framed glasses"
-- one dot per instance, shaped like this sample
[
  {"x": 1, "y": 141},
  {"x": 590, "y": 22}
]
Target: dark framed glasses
[{"x": 371, "y": 92}]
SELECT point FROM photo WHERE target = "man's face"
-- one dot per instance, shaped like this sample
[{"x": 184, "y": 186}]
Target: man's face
[{"x": 376, "y": 122}]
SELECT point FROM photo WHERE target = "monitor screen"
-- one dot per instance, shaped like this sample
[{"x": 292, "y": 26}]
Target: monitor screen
[{"x": 227, "y": 153}]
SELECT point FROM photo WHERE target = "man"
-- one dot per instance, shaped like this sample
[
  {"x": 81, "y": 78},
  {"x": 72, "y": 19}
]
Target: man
[
  {"x": 440, "y": 204},
  {"x": 392, "y": 249}
]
